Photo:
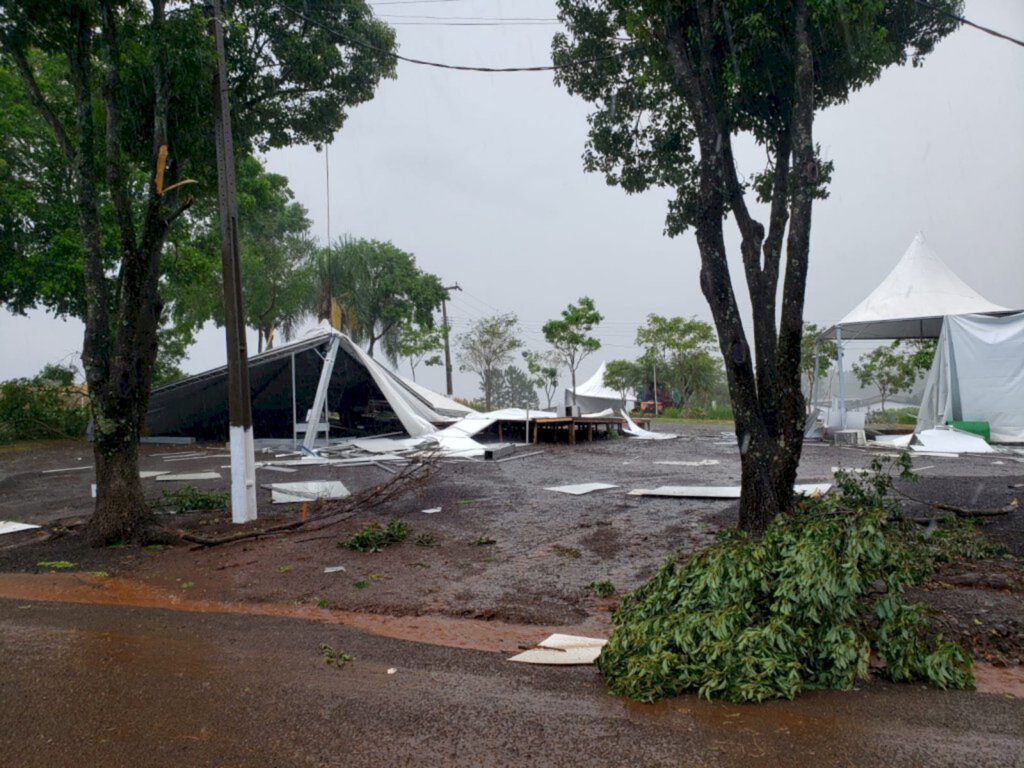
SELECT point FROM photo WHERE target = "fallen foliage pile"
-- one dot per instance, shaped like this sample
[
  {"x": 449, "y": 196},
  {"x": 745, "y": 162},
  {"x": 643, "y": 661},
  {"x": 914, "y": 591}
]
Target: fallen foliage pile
[{"x": 806, "y": 606}]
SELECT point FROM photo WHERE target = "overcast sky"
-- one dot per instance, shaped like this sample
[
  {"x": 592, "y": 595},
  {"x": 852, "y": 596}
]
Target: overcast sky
[{"x": 479, "y": 175}]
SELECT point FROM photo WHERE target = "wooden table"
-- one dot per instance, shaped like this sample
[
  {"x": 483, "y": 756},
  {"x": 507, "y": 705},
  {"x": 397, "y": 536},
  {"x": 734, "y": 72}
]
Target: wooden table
[{"x": 574, "y": 423}]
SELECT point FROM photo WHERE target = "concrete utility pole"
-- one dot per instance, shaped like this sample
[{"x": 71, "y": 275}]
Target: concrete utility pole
[
  {"x": 243, "y": 467},
  {"x": 447, "y": 331}
]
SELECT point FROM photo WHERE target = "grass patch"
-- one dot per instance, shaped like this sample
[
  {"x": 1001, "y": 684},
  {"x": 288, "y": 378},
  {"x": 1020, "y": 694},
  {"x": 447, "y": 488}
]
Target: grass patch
[
  {"x": 56, "y": 565},
  {"x": 374, "y": 538},
  {"x": 334, "y": 656},
  {"x": 285, "y": 568},
  {"x": 191, "y": 499},
  {"x": 425, "y": 540},
  {"x": 562, "y": 551},
  {"x": 483, "y": 541},
  {"x": 602, "y": 588}
]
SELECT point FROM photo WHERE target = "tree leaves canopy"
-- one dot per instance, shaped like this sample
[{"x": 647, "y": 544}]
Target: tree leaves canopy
[
  {"x": 380, "y": 289},
  {"x": 292, "y": 82},
  {"x": 487, "y": 347},
  {"x": 570, "y": 336},
  {"x": 642, "y": 133}
]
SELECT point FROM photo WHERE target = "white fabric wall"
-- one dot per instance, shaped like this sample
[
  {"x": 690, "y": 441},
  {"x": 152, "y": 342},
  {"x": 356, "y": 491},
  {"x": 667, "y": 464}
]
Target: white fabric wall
[{"x": 978, "y": 375}]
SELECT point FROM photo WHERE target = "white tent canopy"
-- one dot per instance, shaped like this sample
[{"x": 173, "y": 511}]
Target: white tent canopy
[
  {"x": 912, "y": 300},
  {"x": 978, "y": 375},
  {"x": 910, "y": 303},
  {"x": 593, "y": 396}
]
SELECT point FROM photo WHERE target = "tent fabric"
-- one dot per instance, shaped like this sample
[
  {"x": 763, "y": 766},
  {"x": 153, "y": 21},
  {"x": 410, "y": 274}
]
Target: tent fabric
[
  {"x": 437, "y": 402},
  {"x": 198, "y": 405},
  {"x": 416, "y": 416},
  {"x": 912, "y": 300},
  {"x": 978, "y": 375},
  {"x": 592, "y": 395}
]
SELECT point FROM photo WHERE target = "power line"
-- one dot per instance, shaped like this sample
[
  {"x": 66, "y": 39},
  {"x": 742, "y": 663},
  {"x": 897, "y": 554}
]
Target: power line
[
  {"x": 469, "y": 24},
  {"x": 969, "y": 23},
  {"x": 412, "y": 2},
  {"x": 439, "y": 65},
  {"x": 411, "y": 16}
]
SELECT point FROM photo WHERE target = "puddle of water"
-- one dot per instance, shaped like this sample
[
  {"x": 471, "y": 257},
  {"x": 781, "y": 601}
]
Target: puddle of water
[{"x": 433, "y": 630}]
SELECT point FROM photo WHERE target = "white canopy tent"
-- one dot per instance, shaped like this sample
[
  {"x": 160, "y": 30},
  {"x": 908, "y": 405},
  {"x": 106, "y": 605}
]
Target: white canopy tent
[
  {"x": 910, "y": 303},
  {"x": 593, "y": 396},
  {"x": 978, "y": 375}
]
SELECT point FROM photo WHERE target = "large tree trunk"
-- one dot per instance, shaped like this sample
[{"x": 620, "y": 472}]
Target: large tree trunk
[
  {"x": 120, "y": 347},
  {"x": 764, "y": 383},
  {"x": 121, "y": 511}
]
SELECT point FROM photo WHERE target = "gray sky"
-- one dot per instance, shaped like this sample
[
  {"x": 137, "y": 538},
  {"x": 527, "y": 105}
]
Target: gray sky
[{"x": 479, "y": 175}]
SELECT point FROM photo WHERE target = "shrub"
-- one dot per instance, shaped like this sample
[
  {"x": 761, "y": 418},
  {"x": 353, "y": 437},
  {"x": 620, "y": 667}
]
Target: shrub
[
  {"x": 602, "y": 588},
  {"x": 803, "y": 607},
  {"x": 47, "y": 406},
  {"x": 374, "y": 538},
  {"x": 191, "y": 499}
]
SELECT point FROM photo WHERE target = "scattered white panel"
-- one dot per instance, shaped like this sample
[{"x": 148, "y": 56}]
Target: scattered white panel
[
  {"x": 563, "y": 650},
  {"x": 66, "y": 469},
  {"x": 272, "y": 468},
  {"x": 431, "y": 511},
  {"x": 387, "y": 444},
  {"x": 690, "y": 491},
  {"x": 720, "y": 491},
  {"x": 643, "y": 434},
  {"x": 701, "y": 463},
  {"x": 893, "y": 441},
  {"x": 318, "y": 462},
  {"x": 191, "y": 476},
  {"x": 9, "y": 526},
  {"x": 452, "y": 446},
  {"x": 581, "y": 488},
  {"x": 153, "y": 473},
  {"x": 599, "y": 414},
  {"x": 334, "y": 569},
  {"x": 949, "y": 440},
  {"x": 290, "y": 493}
]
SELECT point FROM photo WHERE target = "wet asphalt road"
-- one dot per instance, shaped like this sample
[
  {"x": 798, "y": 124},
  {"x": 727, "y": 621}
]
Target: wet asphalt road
[{"x": 89, "y": 685}]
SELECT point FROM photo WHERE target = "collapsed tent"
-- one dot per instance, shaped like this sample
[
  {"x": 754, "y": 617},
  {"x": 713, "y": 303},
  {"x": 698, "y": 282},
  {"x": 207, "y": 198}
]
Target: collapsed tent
[
  {"x": 593, "y": 396},
  {"x": 978, "y": 376},
  {"x": 293, "y": 386}
]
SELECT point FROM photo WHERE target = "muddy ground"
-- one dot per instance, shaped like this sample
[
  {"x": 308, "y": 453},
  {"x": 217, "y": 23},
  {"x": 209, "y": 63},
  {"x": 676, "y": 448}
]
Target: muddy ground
[
  {"x": 502, "y": 563},
  {"x": 548, "y": 548}
]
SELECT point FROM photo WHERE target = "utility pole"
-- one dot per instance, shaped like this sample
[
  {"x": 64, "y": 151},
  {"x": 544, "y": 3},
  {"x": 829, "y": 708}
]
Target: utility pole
[
  {"x": 447, "y": 332},
  {"x": 243, "y": 467}
]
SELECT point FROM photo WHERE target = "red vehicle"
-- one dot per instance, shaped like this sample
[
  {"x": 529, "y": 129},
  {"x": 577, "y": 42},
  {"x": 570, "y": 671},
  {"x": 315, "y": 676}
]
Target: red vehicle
[{"x": 647, "y": 406}]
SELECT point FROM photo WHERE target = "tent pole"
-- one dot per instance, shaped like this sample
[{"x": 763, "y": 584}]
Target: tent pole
[
  {"x": 842, "y": 384},
  {"x": 320, "y": 401},
  {"x": 814, "y": 381}
]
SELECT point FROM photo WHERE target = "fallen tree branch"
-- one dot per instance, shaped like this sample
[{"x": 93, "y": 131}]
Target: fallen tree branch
[
  {"x": 230, "y": 538},
  {"x": 962, "y": 511},
  {"x": 329, "y": 513}
]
